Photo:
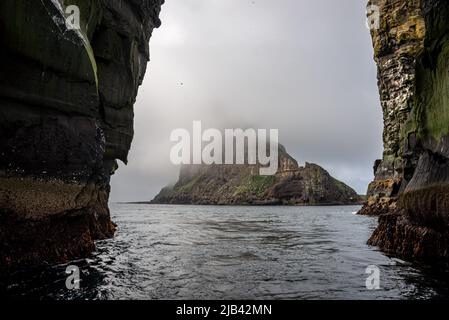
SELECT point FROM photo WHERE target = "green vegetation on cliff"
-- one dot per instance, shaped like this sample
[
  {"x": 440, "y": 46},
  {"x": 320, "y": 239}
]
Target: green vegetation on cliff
[
  {"x": 257, "y": 185},
  {"x": 241, "y": 184},
  {"x": 412, "y": 187}
]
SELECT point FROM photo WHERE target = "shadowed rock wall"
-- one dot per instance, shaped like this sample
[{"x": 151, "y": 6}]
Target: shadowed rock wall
[{"x": 66, "y": 116}]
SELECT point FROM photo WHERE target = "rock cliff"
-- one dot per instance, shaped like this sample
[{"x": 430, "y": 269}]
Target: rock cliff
[
  {"x": 242, "y": 185},
  {"x": 66, "y": 116},
  {"x": 411, "y": 186}
]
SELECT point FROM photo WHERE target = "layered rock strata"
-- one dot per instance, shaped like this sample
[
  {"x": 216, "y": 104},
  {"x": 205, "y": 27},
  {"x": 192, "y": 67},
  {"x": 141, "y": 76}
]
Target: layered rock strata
[
  {"x": 411, "y": 188},
  {"x": 66, "y": 117},
  {"x": 242, "y": 185}
]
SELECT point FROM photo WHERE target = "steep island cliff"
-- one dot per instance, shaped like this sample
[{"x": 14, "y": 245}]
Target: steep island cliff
[
  {"x": 66, "y": 116},
  {"x": 411, "y": 187},
  {"x": 242, "y": 185}
]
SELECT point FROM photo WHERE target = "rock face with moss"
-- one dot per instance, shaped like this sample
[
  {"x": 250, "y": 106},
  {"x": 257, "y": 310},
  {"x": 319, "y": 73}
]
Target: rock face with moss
[
  {"x": 242, "y": 185},
  {"x": 411, "y": 188},
  {"x": 397, "y": 42},
  {"x": 66, "y": 116}
]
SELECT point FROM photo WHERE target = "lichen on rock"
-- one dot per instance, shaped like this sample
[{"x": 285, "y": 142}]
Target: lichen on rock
[{"x": 411, "y": 185}]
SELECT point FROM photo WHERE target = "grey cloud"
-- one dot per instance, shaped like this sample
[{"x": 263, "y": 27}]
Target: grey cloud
[{"x": 304, "y": 67}]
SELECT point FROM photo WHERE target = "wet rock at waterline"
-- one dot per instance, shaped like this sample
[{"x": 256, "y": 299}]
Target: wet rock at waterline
[
  {"x": 66, "y": 116},
  {"x": 411, "y": 186}
]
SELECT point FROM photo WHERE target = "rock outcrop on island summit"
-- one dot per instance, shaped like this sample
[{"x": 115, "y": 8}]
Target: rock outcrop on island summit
[
  {"x": 242, "y": 185},
  {"x": 66, "y": 116},
  {"x": 411, "y": 186}
]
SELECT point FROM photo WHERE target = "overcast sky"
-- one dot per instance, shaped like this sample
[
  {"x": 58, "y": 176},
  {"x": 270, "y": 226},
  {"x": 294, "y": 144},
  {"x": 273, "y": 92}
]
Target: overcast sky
[{"x": 303, "y": 67}]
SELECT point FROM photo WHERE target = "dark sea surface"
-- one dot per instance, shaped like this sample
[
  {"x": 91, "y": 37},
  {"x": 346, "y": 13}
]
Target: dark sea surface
[{"x": 224, "y": 252}]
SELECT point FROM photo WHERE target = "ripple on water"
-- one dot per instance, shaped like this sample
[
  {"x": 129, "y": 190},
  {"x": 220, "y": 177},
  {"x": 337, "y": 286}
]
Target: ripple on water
[{"x": 221, "y": 252}]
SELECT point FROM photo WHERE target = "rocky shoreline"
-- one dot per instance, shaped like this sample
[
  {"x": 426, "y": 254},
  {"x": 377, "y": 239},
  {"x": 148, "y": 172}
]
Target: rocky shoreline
[
  {"x": 411, "y": 187},
  {"x": 66, "y": 116},
  {"x": 242, "y": 185}
]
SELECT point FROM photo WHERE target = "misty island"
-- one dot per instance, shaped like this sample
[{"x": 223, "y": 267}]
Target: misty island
[
  {"x": 241, "y": 184},
  {"x": 66, "y": 117}
]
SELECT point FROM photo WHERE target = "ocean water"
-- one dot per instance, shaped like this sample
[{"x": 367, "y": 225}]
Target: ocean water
[{"x": 224, "y": 252}]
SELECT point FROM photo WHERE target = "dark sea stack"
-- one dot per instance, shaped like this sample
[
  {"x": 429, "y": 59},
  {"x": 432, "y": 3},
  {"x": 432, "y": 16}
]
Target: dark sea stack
[
  {"x": 242, "y": 185},
  {"x": 66, "y": 117},
  {"x": 411, "y": 188}
]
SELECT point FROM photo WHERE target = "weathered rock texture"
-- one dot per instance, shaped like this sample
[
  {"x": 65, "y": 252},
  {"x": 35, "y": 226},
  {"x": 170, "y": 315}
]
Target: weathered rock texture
[
  {"x": 242, "y": 185},
  {"x": 66, "y": 116},
  {"x": 397, "y": 44},
  {"x": 411, "y": 187}
]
